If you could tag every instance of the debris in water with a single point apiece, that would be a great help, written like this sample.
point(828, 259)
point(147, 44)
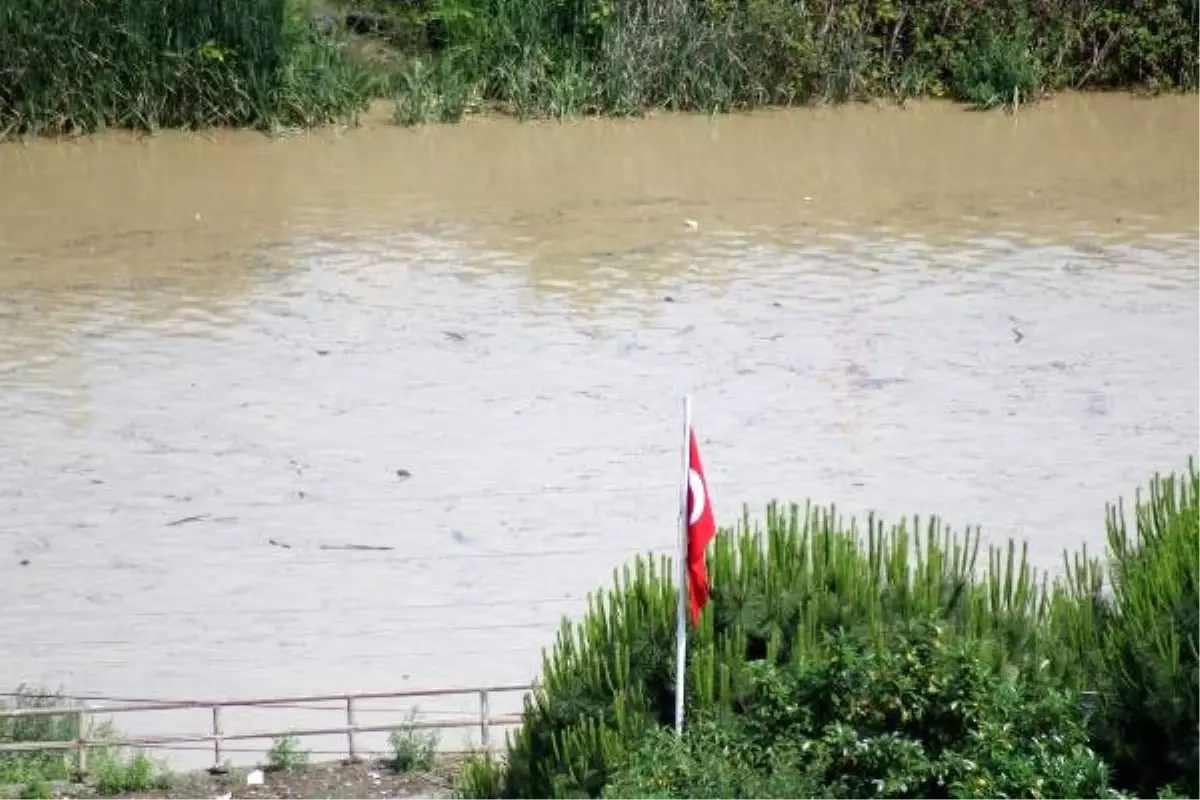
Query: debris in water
point(254, 778)
point(274, 543)
point(24, 562)
point(367, 547)
point(668, 299)
point(1017, 334)
point(403, 474)
point(185, 520)
point(454, 336)
point(322, 352)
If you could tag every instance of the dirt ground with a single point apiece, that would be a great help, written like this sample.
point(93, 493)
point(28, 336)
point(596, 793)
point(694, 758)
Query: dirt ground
point(369, 779)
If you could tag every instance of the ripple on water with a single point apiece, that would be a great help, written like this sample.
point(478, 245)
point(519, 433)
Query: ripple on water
point(182, 443)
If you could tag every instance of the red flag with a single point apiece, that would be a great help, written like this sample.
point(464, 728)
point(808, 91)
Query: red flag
point(700, 528)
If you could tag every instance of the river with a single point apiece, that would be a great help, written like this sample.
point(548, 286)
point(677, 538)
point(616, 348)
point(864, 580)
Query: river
point(222, 355)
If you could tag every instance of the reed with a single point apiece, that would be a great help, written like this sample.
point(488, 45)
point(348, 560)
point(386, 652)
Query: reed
point(558, 57)
point(68, 66)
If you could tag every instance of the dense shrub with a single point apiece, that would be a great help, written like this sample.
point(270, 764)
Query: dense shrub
point(780, 592)
point(1146, 644)
point(81, 65)
point(558, 57)
point(915, 716)
point(777, 592)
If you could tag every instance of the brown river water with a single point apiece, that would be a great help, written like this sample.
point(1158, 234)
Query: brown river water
point(213, 342)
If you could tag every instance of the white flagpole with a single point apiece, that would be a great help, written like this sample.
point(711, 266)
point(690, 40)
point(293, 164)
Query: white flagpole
point(681, 606)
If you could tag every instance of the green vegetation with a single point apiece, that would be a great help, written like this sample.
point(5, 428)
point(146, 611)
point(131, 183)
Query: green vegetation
point(68, 66)
point(554, 58)
point(802, 628)
point(413, 750)
point(112, 769)
point(285, 754)
point(914, 716)
point(115, 774)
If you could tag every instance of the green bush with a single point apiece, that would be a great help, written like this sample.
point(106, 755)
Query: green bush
point(1146, 644)
point(777, 592)
point(116, 775)
point(69, 66)
point(36, 767)
point(286, 754)
point(918, 715)
point(413, 749)
point(558, 57)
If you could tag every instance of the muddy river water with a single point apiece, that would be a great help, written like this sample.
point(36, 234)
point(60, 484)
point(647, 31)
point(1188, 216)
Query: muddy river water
point(225, 358)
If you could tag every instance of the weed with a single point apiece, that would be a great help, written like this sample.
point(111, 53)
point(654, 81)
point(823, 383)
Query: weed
point(286, 754)
point(413, 750)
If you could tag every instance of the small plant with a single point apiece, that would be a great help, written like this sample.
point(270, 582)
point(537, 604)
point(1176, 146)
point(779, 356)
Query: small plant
point(115, 775)
point(413, 750)
point(286, 754)
point(480, 777)
point(36, 789)
point(36, 767)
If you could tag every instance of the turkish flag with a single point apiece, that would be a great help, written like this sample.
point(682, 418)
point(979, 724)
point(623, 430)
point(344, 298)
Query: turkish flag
point(700, 527)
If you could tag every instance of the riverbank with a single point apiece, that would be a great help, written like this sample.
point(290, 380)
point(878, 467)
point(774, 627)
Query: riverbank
point(285, 64)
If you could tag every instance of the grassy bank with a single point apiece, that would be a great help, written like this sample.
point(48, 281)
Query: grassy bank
point(535, 58)
point(837, 661)
point(68, 66)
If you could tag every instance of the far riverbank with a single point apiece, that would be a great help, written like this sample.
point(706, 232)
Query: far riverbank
point(283, 65)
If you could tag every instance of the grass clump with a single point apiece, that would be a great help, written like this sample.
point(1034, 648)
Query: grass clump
point(70, 67)
point(286, 754)
point(112, 770)
point(412, 750)
point(116, 774)
point(37, 767)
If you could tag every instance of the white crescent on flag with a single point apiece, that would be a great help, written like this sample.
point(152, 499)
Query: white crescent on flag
point(696, 487)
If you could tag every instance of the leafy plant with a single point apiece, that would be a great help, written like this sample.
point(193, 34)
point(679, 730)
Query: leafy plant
point(114, 775)
point(917, 715)
point(36, 789)
point(413, 750)
point(286, 754)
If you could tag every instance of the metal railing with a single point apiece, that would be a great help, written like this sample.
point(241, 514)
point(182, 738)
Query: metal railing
point(83, 714)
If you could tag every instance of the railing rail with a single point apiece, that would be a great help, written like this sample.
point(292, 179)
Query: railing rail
point(83, 713)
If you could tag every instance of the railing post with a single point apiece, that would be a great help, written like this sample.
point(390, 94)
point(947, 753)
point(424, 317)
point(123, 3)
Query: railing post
point(217, 767)
point(351, 724)
point(485, 721)
point(81, 732)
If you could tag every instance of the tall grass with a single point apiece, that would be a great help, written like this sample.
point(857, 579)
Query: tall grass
point(81, 65)
point(558, 57)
